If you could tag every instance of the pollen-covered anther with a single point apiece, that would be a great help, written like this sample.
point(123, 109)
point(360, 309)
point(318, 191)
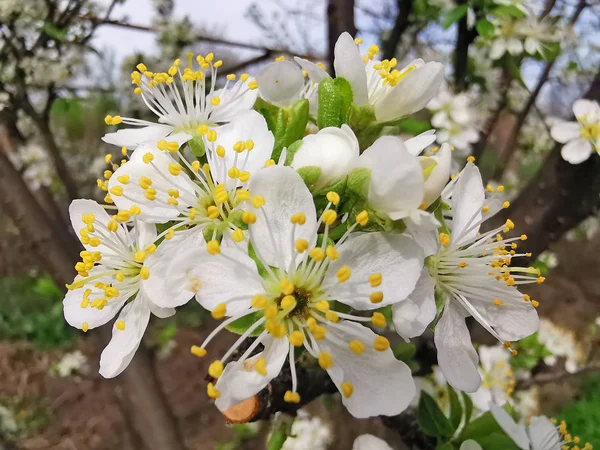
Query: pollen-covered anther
point(535, 303)
point(298, 218)
point(296, 338)
point(120, 325)
point(319, 332)
point(329, 217)
point(286, 287)
point(233, 173)
point(362, 218)
point(506, 204)
point(258, 201)
point(238, 235)
point(375, 279)
point(381, 344)
point(332, 316)
point(213, 212)
point(219, 311)
point(333, 197)
point(444, 239)
point(288, 302)
point(270, 312)
point(462, 264)
point(322, 305)
point(259, 301)
point(317, 254)
point(213, 247)
point(376, 297)
point(117, 191)
point(332, 253)
point(347, 389)
point(212, 391)
point(248, 217)
point(497, 302)
point(378, 320)
point(215, 369)
point(144, 273)
point(325, 360)
point(357, 347)
point(343, 274)
point(301, 245)
point(291, 397)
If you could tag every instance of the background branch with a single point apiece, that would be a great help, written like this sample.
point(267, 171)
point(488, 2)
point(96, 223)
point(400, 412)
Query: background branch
point(340, 18)
point(400, 25)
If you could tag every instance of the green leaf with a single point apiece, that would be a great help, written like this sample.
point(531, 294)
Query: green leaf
point(358, 182)
point(551, 51)
point(446, 446)
point(485, 28)
point(468, 404)
point(197, 147)
point(483, 426)
point(330, 104)
point(242, 324)
point(296, 123)
point(497, 441)
point(345, 90)
point(508, 11)
point(279, 133)
point(310, 175)
point(55, 32)
point(514, 67)
point(413, 126)
point(454, 15)
point(268, 111)
point(455, 408)
point(431, 419)
point(404, 351)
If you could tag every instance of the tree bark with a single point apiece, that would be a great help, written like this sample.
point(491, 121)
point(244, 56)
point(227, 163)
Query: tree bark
point(340, 18)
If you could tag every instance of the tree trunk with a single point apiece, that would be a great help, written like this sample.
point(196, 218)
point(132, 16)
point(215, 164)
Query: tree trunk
point(340, 18)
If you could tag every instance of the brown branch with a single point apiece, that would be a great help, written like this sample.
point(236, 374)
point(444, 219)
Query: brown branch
point(464, 39)
point(340, 18)
point(400, 25)
point(555, 377)
point(249, 62)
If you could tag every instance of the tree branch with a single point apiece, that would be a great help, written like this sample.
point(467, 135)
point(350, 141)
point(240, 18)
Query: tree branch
point(340, 18)
point(464, 39)
point(555, 377)
point(400, 25)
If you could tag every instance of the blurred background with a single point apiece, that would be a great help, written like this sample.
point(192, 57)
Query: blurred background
point(66, 64)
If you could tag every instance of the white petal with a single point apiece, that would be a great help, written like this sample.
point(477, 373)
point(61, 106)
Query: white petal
point(419, 143)
point(397, 258)
point(428, 241)
point(315, 73)
point(230, 277)
point(396, 183)
point(75, 315)
point(145, 234)
point(498, 49)
point(158, 288)
point(481, 398)
point(586, 108)
point(280, 83)
point(515, 431)
point(514, 46)
point(285, 194)
point(412, 93)
point(413, 315)
point(441, 120)
point(438, 178)
point(577, 151)
point(544, 435)
point(349, 64)
point(155, 211)
point(467, 200)
point(333, 150)
point(122, 347)
point(456, 356)
point(232, 103)
point(241, 381)
point(370, 442)
point(132, 137)
point(564, 132)
point(80, 207)
point(470, 444)
point(382, 384)
point(248, 125)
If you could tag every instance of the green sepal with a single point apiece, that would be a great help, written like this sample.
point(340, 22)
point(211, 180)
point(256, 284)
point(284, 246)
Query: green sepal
point(291, 151)
point(296, 121)
point(413, 126)
point(243, 323)
point(330, 104)
point(404, 351)
point(320, 196)
point(345, 90)
point(431, 418)
point(196, 145)
point(364, 124)
point(268, 111)
point(358, 182)
point(310, 175)
point(279, 133)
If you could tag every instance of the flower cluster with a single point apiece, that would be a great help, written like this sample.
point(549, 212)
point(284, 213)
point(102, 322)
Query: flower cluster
point(277, 204)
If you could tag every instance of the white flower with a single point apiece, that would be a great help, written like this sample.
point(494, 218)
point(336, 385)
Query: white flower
point(111, 280)
point(472, 274)
point(582, 138)
point(540, 433)
point(182, 109)
point(71, 363)
point(562, 343)
point(498, 378)
point(282, 83)
point(308, 432)
point(370, 442)
point(393, 93)
point(8, 422)
point(291, 298)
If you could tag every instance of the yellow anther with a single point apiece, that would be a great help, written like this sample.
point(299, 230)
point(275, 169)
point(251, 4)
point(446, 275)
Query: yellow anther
point(301, 245)
point(381, 344)
point(497, 302)
point(523, 237)
point(343, 274)
point(139, 256)
point(120, 325)
point(485, 209)
point(94, 242)
point(376, 297)
point(219, 311)
point(135, 210)
point(231, 76)
point(220, 150)
point(198, 351)
point(269, 163)
point(500, 188)
point(296, 338)
point(325, 360)
point(333, 197)
point(277, 330)
point(233, 172)
point(540, 280)
point(213, 247)
point(116, 191)
point(85, 327)
point(244, 176)
point(535, 303)
point(259, 301)
point(261, 366)
point(298, 218)
point(108, 120)
point(317, 254)
point(238, 235)
point(253, 85)
point(141, 67)
point(286, 287)
point(107, 174)
point(172, 201)
point(280, 58)
point(347, 389)
point(357, 347)
point(444, 239)
point(288, 302)
point(375, 279)
point(249, 144)
point(318, 333)
point(358, 41)
point(137, 90)
point(258, 201)
point(506, 204)
point(322, 305)
point(175, 169)
point(202, 129)
point(462, 264)
point(291, 397)
point(248, 217)
point(509, 224)
point(471, 159)
point(242, 195)
point(332, 316)
point(332, 253)
point(216, 101)
point(212, 391)
point(123, 216)
point(88, 219)
point(108, 158)
point(363, 218)
point(270, 312)
point(162, 144)
point(172, 147)
point(215, 369)
point(144, 273)
point(147, 158)
point(112, 226)
point(489, 188)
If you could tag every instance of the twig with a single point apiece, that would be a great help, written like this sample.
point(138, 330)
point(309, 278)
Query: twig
point(464, 39)
point(555, 377)
point(400, 25)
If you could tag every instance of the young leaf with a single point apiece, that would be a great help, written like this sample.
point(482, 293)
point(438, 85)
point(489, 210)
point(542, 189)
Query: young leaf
point(468, 403)
point(454, 15)
point(242, 324)
point(483, 426)
point(431, 419)
point(485, 28)
point(291, 151)
point(310, 175)
point(455, 408)
point(296, 122)
point(508, 11)
point(413, 126)
point(330, 104)
point(358, 182)
point(497, 441)
point(345, 91)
